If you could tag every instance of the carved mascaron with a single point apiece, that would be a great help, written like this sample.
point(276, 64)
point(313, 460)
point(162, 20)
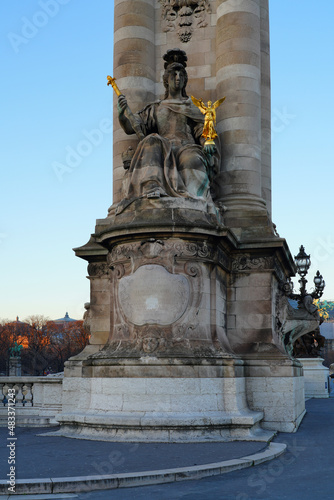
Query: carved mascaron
point(184, 16)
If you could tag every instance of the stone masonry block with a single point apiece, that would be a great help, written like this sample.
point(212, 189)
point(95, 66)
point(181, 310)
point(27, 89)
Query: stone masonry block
point(248, 6)
point(103, 402)
point(140, 402)
point(246, 307)
point(172, 386)
point(259, 293)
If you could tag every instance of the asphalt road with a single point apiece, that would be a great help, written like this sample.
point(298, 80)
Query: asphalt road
point(304, 472)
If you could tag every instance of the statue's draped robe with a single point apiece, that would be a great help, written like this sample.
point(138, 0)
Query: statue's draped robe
point(170, 159)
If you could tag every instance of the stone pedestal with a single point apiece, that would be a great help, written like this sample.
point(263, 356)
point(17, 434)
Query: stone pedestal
point(315, 378)
point(14, 366)
point(196, 348)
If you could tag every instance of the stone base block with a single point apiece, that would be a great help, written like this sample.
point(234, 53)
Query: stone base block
point(276, 388)
point(315, 378)
point(159, 409)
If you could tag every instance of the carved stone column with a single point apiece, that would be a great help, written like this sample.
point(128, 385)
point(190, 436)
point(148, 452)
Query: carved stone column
point(265, 106)
point(134, 69)
point(240, 76)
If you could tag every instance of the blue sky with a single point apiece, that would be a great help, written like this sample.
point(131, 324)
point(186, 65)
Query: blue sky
point(54, 94)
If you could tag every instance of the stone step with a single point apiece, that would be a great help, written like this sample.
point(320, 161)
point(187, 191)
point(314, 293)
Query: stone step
point(30, 421)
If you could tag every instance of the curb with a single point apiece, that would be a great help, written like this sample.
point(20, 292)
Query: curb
point(128, 480)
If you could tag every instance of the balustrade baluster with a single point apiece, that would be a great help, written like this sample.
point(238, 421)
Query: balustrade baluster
point(27, 392)
point(2, 395)
point(18, 395)
point(5, 390)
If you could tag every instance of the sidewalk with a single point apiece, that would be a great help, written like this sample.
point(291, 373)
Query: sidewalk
point(51, 464)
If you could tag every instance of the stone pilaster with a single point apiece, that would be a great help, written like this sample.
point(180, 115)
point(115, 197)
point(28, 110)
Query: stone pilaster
point(99, 310)
point(99, 303)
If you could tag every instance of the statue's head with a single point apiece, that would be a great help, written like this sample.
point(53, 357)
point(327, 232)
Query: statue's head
point(175, 61)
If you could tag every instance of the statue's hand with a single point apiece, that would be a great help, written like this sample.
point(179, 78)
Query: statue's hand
point(122, 104)
point(210, 149)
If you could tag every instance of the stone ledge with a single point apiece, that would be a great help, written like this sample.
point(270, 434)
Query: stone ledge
point(245, 418)
point(30, 379)
point(127, 480)
point(168, 427)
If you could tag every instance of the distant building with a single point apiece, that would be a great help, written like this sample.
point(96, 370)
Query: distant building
point(62, 325)
point(65, 320)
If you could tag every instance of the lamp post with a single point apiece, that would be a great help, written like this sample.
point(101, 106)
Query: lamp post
point(303, 262)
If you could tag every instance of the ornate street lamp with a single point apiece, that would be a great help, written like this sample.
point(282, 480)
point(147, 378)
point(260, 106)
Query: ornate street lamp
point(319, 283)
point(303, 262)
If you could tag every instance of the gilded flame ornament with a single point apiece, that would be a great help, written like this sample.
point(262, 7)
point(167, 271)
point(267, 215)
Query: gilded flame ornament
point(112, 82)
point(128, 112)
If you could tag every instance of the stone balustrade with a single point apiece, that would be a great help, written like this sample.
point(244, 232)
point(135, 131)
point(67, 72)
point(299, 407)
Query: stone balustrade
point(40, 393)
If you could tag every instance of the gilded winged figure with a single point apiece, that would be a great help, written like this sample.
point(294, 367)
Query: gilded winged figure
point(209, 112)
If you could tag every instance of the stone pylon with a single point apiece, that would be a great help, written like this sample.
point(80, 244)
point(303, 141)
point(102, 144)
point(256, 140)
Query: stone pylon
point(190, 326)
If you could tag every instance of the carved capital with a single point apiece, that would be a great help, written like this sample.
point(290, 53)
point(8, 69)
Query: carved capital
point(98, 269)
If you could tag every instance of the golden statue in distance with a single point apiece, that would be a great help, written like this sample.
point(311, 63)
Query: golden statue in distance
point(112, 82)
point(209, 132)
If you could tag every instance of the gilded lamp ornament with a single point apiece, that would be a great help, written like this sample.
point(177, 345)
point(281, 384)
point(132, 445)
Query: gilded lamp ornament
point(209, 112)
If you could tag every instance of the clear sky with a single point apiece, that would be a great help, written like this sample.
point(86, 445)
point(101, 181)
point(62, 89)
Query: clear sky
point(55, 57)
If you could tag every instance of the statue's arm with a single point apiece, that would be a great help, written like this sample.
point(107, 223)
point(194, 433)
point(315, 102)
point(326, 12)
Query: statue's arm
point(124, 121)
point(130, 123)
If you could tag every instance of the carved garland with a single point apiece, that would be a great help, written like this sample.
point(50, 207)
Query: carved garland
point(245, 263)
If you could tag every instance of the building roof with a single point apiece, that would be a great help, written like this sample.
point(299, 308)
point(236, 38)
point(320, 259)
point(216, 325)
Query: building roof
point(65, 319)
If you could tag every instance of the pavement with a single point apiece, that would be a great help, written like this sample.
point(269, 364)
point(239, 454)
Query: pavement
point(64, 466)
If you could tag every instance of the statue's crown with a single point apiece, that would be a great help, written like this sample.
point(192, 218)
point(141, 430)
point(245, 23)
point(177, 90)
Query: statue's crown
point(175, 56)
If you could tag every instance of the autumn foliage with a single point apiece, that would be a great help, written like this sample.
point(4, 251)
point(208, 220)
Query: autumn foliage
point(46, 344)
